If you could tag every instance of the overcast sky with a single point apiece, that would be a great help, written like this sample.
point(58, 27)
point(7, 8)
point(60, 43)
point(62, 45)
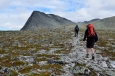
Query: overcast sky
point(14, 13)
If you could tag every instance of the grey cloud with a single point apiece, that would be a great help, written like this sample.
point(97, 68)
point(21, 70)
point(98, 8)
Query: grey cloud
point(4, 3)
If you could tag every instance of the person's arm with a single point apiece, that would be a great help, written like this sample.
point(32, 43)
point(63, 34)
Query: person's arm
point(96, 37)
point(85, 35)
point(74, 28)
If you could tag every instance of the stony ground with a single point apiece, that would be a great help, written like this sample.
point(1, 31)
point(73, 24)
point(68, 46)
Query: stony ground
point(80, 65)
point(75, 63)
point(33, 54)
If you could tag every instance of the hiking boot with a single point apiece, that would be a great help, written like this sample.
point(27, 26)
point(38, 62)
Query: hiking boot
point(93, 57)
point(87, 55)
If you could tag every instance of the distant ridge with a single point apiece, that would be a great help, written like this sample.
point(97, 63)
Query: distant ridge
point(104, 23)
point(41, 20)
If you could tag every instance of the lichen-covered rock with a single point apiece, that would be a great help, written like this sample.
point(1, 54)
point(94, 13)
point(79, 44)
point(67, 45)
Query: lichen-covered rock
point(80, 70)
point(107, 73)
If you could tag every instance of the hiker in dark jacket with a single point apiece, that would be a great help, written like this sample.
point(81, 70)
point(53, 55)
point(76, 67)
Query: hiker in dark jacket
point(90, 37)
point(76, 30)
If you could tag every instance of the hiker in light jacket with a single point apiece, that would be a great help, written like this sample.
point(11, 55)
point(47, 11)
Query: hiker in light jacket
point(76, 30)
point(90, 37)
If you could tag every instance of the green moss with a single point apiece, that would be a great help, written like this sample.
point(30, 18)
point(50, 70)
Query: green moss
point(13, 73)
point(48, 66)
point(58, 51)
point(46, 55)
point(34, 75)
point(2, 52)
point(1, 59)
point(45, 73)
point(109, 53)
point(0, 67)
point(25, 70)
point(41, 59)
point(36, 66)
point(18, 63)
point(6, 63)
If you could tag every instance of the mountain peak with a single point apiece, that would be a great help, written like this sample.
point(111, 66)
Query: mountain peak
point(41, 20)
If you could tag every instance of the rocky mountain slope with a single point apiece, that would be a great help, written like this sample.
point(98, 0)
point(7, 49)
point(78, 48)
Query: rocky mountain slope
point(41, 20)
point(100, 23)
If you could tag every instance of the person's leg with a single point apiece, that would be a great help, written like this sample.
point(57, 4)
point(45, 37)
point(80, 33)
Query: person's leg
point(75, 33)
point(87, 50)
point(92, 49)
point(87, 54)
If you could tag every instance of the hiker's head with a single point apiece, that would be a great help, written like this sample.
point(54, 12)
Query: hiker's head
point(90, 28)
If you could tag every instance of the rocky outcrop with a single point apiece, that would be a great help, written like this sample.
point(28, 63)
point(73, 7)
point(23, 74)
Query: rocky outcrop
point(41, 20)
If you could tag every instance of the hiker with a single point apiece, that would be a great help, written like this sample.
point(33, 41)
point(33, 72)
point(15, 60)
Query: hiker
point(91, 36)
point(76, 30)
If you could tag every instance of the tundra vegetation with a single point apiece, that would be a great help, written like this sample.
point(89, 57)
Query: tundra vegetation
point(30, 52)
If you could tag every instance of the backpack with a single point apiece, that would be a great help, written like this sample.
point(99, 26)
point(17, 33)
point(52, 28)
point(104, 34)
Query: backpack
point(76, 28)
